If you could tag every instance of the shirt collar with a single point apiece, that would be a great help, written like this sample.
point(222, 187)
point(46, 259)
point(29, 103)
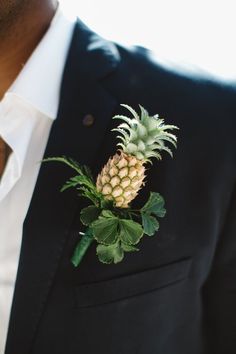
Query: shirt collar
point(36, 89)
point(40, 79)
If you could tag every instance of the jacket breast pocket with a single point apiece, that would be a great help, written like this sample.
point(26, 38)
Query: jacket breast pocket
point(128, 286)
point(135, 313)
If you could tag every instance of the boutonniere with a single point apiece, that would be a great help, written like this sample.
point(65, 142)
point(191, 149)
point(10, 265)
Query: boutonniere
point(109, 219)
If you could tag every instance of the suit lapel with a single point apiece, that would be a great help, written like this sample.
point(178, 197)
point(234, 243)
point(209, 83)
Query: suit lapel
point(51, 213)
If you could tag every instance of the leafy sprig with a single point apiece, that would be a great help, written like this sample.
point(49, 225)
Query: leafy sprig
point(83, 181)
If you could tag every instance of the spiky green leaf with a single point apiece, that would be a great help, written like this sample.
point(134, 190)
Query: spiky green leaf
point(134, 113)
point(151, 130)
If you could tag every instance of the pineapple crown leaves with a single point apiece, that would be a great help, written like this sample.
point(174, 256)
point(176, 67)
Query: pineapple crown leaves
point(144, 136)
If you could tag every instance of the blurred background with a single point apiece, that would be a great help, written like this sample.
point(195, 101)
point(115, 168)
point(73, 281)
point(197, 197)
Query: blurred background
point(186, 33)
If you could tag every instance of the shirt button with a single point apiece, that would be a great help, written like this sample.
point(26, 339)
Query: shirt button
point(88, 120)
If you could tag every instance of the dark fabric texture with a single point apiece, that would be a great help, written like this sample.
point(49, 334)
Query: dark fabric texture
point(177, 294)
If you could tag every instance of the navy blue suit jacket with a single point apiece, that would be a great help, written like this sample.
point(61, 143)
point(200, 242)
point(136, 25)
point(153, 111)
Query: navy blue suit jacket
point(177, 294)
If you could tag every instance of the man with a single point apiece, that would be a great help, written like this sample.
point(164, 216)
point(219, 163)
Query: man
point(60, 84)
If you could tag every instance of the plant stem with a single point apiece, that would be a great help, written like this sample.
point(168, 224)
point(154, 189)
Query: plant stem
point(82, 247)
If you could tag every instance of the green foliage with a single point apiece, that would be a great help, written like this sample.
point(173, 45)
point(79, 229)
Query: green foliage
point(105, 230)
point(82, 247)
point(150, 224)
point(107, 204)
point(118, 230)
point(130, 231)
point(115, 230)
point(89, 214)
point(113, 253)
point(144, 136)
point(80, 169)
point(153, 208)
point(115, 236)
point(129, 248)
point(155, 205)
point(110, 253)
point(83, 181)
point(108, 214)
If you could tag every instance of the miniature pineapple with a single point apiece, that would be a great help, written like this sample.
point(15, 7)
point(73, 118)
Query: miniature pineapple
point(142, 138)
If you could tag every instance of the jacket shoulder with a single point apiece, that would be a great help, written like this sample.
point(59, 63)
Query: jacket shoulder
point(202, 105)
point(142, 71)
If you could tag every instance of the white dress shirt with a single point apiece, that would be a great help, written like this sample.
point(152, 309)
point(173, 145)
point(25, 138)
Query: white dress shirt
point(27, 111)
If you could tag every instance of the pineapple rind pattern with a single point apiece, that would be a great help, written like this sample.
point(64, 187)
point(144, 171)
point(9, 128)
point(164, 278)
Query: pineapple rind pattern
point(121, 179)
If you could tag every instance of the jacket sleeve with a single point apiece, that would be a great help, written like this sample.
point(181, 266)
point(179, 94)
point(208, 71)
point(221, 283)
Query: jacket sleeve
point(219, 292)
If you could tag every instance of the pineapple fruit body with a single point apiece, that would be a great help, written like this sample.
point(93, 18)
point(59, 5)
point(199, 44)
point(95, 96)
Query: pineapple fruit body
point(121, 179)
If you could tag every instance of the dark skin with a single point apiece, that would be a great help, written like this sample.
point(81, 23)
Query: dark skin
point(22, 25)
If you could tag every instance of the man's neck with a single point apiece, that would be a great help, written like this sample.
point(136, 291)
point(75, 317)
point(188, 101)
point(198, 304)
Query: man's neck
point(21, 39)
